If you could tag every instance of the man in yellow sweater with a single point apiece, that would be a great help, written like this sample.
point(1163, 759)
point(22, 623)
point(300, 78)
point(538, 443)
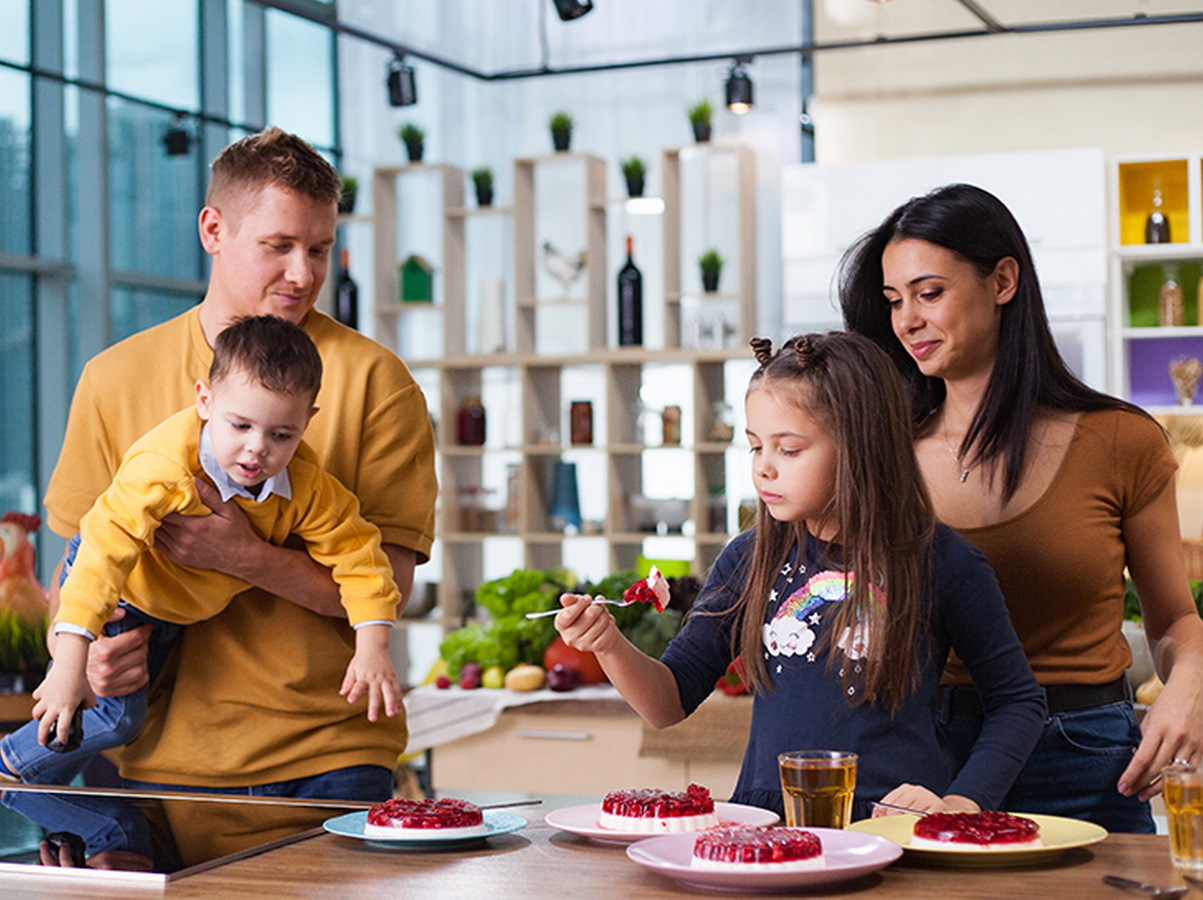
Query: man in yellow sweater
point(244, 436)
point(244, 704)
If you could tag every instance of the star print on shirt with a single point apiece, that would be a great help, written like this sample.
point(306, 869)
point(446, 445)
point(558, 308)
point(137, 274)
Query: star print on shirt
point(810, 657)
point(815, 619)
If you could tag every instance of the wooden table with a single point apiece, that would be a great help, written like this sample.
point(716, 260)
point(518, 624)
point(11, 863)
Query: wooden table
point(540, 861)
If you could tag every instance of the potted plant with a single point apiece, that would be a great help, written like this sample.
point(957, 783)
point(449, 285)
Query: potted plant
point(414, 139)
point(482, 181)
point(634, 170)
point(346, 200)
point(700, 116)
point(561, 130)
point(711, 264)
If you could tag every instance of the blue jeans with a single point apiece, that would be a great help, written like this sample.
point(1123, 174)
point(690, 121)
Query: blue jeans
point(1074, 769)
point(104, 823)
point(112, 722)
point(369, 783)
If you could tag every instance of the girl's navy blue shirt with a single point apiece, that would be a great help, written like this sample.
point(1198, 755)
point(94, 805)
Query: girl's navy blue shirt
point(808, 709)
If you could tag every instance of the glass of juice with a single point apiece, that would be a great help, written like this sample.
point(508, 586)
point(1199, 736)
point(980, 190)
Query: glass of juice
point(1184, 806)
point(817, 786)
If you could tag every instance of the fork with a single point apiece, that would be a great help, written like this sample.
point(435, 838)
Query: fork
point(1169, 893)
point(596, 601)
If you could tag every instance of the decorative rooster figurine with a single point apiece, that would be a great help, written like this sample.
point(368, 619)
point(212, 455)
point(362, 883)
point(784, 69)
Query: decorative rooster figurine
point(562, 268)
point(23, 603)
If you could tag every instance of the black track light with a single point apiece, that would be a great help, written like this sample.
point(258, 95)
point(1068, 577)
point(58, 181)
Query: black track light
point(402, 83)
point(739, 86)
point(176, 139)
point(568, 10)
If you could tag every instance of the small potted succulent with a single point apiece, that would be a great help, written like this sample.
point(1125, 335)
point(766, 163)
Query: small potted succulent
point(561, 130)
point(414, 139)
point(711, 264)
point(482, 181)
point(634, 170)
point(350, 188)
point(701, 114)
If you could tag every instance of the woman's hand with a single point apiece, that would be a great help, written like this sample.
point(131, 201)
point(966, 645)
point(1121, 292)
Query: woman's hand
point(1172, 729)
point(919, 798)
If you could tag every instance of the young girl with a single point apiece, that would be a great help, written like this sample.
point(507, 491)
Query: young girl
point(843, 601)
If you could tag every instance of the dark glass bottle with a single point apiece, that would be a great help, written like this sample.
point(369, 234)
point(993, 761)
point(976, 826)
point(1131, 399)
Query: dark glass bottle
point(346, 293)
point(630, 301)
point(1157, 226)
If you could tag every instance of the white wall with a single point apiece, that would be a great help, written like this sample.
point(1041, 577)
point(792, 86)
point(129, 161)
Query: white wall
point(1128, 90)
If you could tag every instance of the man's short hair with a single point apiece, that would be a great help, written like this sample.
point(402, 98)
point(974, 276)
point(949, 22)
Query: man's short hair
point(270, 350)
point(271, 157)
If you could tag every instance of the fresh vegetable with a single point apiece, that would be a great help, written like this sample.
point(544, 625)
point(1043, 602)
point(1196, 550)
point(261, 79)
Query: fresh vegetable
point(525, 677)
point(586, 665)
point(508, 638)
point(562, 678)
point(493, 677)
point(469, 676)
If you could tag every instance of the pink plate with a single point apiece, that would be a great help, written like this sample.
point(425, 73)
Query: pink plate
point(848, 855)
point(582, 820)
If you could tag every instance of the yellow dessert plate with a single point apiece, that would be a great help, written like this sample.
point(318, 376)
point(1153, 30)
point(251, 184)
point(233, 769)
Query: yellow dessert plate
point(1058, 834)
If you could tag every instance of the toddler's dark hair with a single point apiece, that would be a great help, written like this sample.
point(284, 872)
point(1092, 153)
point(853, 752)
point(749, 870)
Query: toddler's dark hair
point(273, 351)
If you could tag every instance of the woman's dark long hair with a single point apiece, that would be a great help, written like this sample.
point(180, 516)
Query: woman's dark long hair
point(1028, 373)
point(879, 504)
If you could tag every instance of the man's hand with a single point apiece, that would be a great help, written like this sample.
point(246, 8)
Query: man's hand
point(117, 664)
point(216, 542)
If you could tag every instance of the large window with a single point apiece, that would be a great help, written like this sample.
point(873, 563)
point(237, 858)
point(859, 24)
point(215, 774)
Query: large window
point(103, 242)
point(15, 224)
point(17, 437)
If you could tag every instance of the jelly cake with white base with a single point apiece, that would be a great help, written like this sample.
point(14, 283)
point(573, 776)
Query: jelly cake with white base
point(445, 817)
point(764, 849)
point(658, 812)
point(991, 830)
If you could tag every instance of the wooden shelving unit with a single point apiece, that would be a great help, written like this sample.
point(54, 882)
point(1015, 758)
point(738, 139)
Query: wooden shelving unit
point(527, 430)
point(1142, 347)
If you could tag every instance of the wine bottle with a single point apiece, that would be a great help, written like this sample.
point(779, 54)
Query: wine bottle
point(630, 301)
point(346, 294)
point(1157, 226)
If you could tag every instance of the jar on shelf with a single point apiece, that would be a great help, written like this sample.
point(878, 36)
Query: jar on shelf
point(670, 420)
point(1171, 305)
point(580, 422)
point(470, 424)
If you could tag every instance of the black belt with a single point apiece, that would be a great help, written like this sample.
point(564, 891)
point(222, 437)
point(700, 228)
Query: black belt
point(964, 702)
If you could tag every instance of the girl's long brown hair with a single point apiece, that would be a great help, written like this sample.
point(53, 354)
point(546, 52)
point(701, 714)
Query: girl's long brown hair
point(883, 513)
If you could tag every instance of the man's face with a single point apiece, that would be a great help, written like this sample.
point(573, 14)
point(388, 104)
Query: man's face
point(269, 258)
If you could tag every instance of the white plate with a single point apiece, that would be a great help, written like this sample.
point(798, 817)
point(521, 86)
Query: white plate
point(582, 820)
point(1057, 832)
point(352, 824)
point(848, 855)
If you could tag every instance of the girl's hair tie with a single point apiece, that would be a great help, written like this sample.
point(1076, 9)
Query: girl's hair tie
point(804, 349)
point(762, 349)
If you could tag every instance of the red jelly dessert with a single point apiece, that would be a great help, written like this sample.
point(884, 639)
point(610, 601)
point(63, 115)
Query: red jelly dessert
point(658, 811)
point(449, 816)
point(991, 830)
point(742, 847)
point(653, 590)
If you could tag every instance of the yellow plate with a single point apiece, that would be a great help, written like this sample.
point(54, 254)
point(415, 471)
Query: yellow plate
point(1058, 833)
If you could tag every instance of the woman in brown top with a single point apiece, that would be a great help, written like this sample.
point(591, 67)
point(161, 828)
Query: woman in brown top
point(1059, 485)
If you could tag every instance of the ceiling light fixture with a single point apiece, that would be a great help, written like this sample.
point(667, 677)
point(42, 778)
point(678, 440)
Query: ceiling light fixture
point(402, 83)
point(568, 10)
point(739, 86)
point(176, 139)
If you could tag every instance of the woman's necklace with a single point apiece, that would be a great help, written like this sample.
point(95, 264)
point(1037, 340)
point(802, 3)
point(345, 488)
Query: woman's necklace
point(965, 470)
